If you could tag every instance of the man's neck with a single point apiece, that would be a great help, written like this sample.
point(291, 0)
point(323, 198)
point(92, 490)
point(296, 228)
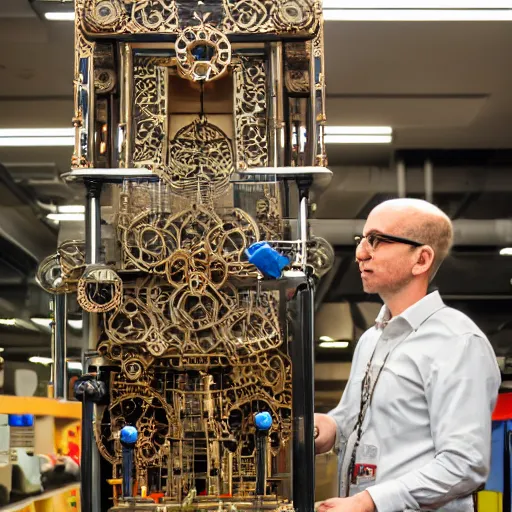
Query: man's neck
point(398, 302)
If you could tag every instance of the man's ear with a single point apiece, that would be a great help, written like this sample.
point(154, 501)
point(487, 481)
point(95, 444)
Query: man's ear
point(425, 260)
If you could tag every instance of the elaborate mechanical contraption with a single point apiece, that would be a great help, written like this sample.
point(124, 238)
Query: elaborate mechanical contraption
point(195, 121)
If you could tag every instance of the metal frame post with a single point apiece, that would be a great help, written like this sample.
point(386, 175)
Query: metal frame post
point(303, 364)
point(90, 465)
point(60, 313)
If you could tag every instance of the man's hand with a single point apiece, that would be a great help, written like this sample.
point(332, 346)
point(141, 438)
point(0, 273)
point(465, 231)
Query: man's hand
point(325, 426)
point(361, 502)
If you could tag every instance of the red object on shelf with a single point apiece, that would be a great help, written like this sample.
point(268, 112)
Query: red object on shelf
point(503, 409)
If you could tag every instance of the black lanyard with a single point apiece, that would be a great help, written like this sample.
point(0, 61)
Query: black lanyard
point(366, 400)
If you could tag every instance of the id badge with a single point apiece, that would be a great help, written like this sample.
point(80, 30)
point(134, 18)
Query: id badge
point(364, 476)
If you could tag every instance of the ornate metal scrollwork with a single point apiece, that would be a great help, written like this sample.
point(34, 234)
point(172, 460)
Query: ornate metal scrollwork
point(99, 289)
point(117, 17)
point(203, 53)
point(250, 113)
point(60, 272)
point(200, 160)
point(149, 112)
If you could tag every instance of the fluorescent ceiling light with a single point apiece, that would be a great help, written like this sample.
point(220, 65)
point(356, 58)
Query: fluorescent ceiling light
point(326, 338)
point(12, 142)
point(41, 360)
point(32, 137)
point(334, 344)
point(2, 349)
point(59, 217)
point(42, 322)
point(506, 251)
point(75, 324)
point(75, 365)
point(60, 16)
point(358, 139)
point(71, 208)
point(358, 130)
point(418, 14)
point(37, 132)
point(11, 322)
point(417, 4)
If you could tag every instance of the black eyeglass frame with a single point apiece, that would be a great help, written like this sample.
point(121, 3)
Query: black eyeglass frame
point(383, 237)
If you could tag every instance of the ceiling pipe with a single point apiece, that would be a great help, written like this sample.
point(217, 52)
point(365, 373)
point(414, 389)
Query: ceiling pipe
point(467, 232)
point(428, 170)
point(401, 179)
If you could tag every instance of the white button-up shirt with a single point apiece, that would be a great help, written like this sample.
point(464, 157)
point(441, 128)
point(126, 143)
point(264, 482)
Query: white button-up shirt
point(428, 428)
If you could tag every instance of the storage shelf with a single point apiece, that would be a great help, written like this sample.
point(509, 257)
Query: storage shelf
point(40, 406)
point(48, 501)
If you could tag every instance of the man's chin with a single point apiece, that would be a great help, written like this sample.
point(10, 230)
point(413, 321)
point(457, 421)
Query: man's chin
point(369, 289)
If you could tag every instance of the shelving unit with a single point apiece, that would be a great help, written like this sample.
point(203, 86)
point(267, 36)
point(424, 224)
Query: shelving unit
point(65, 499)
point(53, 420)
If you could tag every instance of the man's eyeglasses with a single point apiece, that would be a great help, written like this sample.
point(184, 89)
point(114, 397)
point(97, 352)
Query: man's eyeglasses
point(373, 240)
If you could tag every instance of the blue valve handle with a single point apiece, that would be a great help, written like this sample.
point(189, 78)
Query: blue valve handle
point(263, 420)
point(129, 437)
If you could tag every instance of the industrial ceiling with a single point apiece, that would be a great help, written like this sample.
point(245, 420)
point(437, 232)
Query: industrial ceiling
point(444, 87)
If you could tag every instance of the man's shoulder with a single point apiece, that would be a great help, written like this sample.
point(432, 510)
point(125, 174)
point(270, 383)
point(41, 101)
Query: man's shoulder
point(454, 323)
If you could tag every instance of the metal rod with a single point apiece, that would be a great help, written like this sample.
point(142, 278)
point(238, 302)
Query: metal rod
point(261, 463)
point(311, 126)
point(429, 181)
point(128, 101)
point(91, 98)
point(91, 486)
point(59, 362)
point(303, 402)
point(93, 222)
point(303, 228)
point(400, 175)
point(278, 103)
point(86, 461)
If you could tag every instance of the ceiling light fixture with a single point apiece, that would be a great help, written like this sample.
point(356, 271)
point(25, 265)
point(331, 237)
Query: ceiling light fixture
point(59, 217)
point(417, 4)
point(75, 365)
point(41, 360)
point(358, 135)
point(506, 251)
point(11, 322)
point(358, 130)
point(75, 324)
point(334, 344)
point(60, 16)
point(71, 208)
point(358, 139)
point(33, 137)
point(415, 14)
point(42, 322)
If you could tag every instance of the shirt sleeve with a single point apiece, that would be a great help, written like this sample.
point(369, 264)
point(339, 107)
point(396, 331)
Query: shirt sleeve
point(461, 393)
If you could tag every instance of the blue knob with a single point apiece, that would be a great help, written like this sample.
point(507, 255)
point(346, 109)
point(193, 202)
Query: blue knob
point(263, 420)
point(129, 435)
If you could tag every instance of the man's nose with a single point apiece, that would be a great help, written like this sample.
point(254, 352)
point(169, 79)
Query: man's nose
point(362, 251)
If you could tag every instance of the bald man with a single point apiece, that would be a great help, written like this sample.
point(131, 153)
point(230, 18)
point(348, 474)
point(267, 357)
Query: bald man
point(413, 427)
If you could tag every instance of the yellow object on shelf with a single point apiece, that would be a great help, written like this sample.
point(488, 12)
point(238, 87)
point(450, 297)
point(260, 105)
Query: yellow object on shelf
point(40, 406)
point(490, 501)
point(66, 499)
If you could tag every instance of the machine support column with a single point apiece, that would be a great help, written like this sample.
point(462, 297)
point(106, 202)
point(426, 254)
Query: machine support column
point(303, 371)
point(60, 303)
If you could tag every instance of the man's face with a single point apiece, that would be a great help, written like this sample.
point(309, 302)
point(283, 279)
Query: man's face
point(387, 267)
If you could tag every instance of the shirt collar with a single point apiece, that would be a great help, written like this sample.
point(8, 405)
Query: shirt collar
point(414, 315)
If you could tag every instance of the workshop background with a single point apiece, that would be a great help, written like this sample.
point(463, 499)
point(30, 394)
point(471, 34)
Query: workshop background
point(445, 90)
